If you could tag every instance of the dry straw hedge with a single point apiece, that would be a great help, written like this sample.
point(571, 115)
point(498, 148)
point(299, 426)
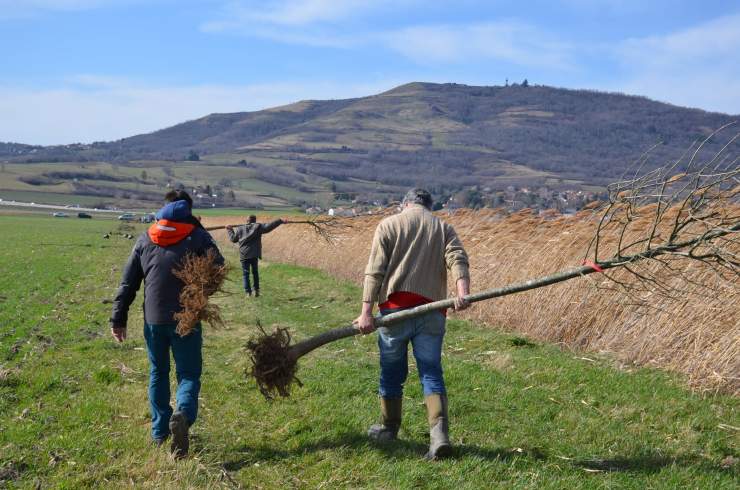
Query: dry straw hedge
point(695, 335)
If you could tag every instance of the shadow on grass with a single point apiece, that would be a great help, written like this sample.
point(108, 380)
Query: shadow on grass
point(406, 449)
point(400, 449)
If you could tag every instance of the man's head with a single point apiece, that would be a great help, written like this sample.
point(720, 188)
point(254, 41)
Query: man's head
point(418, 196)
point(179, 195)
point(252, 219)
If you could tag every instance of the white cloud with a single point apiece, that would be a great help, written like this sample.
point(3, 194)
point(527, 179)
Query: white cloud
point(510, 41)
point(696, 67)
point(716, 39)
point(91, 108)
point(259, 17)
point(324, 23)
point(303, 12)
point(716, 91)
point(317, 37)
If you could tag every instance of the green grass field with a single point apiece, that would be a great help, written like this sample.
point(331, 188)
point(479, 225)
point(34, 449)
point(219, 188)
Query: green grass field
point(247, 188)
point(74, 413)
point(49, 198)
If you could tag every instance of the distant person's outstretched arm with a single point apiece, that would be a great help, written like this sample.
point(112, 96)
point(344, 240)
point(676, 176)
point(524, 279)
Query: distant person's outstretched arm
point(272, 225)
point(233, 236)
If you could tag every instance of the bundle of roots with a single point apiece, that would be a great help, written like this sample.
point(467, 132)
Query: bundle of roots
point(275, 360)
point(273, 364)
point(202, 277)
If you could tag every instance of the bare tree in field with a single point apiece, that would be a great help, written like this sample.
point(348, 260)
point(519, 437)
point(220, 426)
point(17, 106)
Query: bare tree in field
point(657, 225)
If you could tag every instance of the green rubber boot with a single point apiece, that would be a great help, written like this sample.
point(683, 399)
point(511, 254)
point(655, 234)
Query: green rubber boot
point(439, 439)
point(390, 412)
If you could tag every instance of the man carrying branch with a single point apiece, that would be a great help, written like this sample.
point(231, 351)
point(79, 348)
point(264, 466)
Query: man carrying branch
point(157, 253)
point(249, 238)
point(409, 259)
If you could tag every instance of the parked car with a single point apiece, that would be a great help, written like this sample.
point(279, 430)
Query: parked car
point(84, 215)
point(59, 215)
point(127, 217)
point(147, 218)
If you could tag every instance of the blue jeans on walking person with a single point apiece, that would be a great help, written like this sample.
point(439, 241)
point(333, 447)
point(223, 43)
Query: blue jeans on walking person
point(188, 367)
point(246, 265)
point(426, 334)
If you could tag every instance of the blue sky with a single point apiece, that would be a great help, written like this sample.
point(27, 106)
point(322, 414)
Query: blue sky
point(87, 70)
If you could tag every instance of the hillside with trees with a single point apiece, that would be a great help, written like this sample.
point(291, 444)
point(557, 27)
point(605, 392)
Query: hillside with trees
point(452, 138)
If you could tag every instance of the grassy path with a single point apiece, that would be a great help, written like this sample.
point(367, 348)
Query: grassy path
point(73, 408)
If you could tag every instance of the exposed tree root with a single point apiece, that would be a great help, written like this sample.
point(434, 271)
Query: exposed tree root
point(202, 278)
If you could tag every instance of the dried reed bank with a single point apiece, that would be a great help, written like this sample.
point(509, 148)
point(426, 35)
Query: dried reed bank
point(695, 334)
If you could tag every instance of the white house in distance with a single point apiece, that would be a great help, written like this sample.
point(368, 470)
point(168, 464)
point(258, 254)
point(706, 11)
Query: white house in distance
point(342, 212)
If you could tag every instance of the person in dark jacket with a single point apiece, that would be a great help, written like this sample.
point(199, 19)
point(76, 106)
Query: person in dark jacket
point(156, 253)
point(249, 238)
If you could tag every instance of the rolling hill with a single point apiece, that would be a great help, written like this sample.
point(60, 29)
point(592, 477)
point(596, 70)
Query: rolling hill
point(444, 136)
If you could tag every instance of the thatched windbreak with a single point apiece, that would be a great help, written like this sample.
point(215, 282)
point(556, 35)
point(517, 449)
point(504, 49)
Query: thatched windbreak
point(695, 334)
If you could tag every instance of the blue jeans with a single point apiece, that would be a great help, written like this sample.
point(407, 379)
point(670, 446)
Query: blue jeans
point(426, 334)
point(188, 367)
point(246, 265)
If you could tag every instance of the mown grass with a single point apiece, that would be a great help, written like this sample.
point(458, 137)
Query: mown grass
point(73, 409)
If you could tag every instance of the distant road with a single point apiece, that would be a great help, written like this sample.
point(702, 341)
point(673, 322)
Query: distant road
point(70, 209)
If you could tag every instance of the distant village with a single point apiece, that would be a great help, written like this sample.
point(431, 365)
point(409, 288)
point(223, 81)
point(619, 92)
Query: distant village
point(513, 199)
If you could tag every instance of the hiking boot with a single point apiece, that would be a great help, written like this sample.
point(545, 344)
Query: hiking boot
point(439, 439)
point(248, 293)
point(390, 418)
point(179, 427)
point(159, 442)
point(256, 293)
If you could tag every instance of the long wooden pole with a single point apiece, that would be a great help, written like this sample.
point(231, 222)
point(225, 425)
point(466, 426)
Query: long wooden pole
point(289, 222)
point(306, 346)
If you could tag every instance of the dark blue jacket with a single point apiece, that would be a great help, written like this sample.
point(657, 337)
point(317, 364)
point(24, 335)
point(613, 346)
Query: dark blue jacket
point(156, 253)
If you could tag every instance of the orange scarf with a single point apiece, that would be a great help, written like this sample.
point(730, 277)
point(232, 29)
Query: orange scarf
point(165, 232)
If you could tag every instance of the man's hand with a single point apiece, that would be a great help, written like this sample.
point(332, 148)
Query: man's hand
point(460, 303)
point(284, 220)
point(463, 289)
point(229, 227)
point(118, 332)
point(365, 322)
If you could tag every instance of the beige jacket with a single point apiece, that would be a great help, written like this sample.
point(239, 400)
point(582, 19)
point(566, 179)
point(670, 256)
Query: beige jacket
point(412, 251)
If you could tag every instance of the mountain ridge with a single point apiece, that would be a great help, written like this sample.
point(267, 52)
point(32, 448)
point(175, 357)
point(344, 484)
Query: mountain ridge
point(421, 133)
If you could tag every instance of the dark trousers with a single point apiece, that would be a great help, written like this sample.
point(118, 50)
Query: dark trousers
point(160, 339)
point(246, 265)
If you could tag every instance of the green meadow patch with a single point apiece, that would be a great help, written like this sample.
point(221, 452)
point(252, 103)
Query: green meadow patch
point(74, 412)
